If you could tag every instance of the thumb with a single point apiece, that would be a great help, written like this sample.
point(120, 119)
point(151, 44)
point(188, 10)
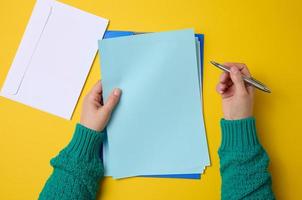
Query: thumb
point(237, 79)
point(112, 101)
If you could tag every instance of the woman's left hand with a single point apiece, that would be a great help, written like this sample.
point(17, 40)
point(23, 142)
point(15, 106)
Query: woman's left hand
point(95, 115)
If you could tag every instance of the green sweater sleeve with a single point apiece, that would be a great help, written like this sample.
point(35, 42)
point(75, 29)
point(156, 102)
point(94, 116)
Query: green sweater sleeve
point(243, 162)
point(77, 168)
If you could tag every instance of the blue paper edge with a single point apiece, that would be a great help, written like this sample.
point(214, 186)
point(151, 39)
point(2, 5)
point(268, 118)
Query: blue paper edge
point(113, 34)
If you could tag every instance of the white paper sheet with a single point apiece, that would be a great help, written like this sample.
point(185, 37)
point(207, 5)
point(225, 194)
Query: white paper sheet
point(54, 57)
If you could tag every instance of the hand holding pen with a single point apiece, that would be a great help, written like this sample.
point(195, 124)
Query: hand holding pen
point(237, 97)
point(250, 80)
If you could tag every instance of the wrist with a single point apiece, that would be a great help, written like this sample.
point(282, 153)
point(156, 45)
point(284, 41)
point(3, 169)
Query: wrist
point(91, 124)
point(237, 113)
point(237, 117)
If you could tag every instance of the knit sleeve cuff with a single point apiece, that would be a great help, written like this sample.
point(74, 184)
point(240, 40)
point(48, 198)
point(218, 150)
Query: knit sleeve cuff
point(238, 134)
point(85, 142)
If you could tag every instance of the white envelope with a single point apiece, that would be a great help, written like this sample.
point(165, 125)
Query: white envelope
point(54, 58)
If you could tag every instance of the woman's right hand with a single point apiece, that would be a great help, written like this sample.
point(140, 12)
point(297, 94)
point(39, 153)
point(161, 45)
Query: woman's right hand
point(237, 96)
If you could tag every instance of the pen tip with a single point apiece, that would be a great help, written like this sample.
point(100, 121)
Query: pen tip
point(266, 89)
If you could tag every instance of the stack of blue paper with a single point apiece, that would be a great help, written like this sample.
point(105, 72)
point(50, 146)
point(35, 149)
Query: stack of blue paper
point(157, 129)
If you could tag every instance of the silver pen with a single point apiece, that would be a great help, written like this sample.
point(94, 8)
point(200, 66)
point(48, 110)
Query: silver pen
point(249, 80)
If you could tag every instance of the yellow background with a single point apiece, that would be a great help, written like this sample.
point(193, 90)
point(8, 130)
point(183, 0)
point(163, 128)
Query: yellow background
point(264, 34)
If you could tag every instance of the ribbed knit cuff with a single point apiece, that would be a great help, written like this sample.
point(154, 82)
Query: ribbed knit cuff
point(238, 134)
point(85, 142)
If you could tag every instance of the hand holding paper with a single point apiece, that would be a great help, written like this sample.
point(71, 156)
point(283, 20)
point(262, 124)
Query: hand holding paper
point(95, 113)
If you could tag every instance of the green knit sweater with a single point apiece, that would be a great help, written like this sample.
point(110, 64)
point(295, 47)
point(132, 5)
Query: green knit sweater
point(78, 169)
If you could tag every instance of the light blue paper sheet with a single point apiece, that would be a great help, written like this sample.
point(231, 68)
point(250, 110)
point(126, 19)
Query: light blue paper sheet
point(161, 102)
point(199, 46)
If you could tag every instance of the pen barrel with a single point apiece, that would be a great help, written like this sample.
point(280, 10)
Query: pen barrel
point(256, 84)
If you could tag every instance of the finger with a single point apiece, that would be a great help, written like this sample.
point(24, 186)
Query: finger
point(97, 88)
point(221, 88)
point(245, 71)
point(250, 88)
point(226, 94)
point(224, 77)
point(236, 77)
point(241, 66)
point(229, 83)
point(95, 93)
point(112, 101)
point(230, 64)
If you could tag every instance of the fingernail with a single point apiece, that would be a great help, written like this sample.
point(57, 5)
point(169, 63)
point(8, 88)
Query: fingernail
point(117, 92)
